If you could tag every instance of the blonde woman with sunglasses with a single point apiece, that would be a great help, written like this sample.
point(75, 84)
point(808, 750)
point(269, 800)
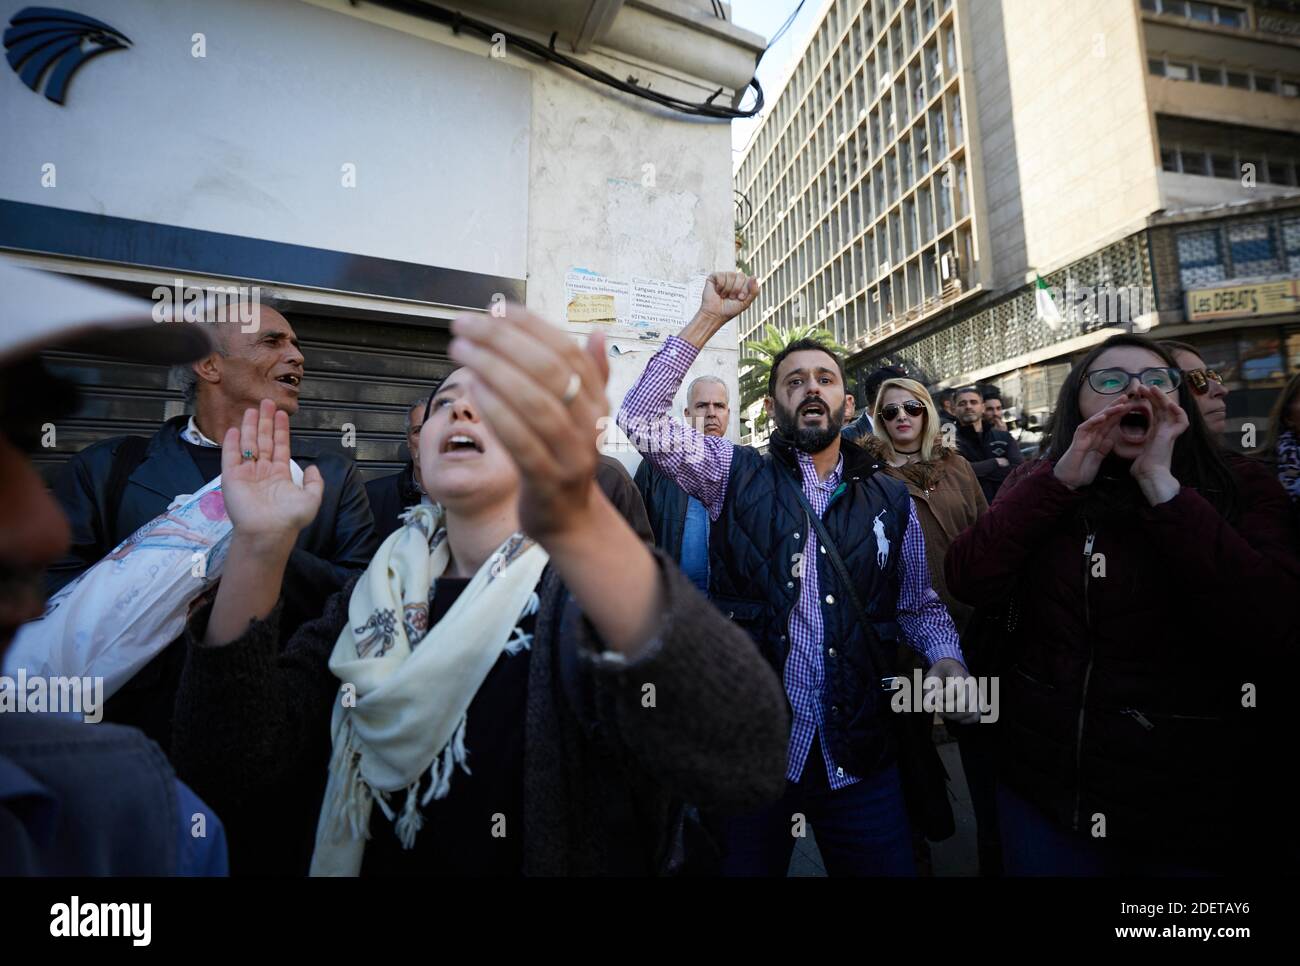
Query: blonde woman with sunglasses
point(906, 438)
point(1207, 385)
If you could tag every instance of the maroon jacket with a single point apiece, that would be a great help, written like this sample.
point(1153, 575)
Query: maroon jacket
point(1121, 694)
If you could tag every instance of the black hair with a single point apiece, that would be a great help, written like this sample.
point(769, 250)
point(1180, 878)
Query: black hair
point(990, 392)
point(428, 400)
point(800, 345)
point(1197, 461)
point(962, 390)
point(871, 385)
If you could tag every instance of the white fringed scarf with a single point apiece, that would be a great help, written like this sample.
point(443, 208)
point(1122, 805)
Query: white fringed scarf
point(401, 711)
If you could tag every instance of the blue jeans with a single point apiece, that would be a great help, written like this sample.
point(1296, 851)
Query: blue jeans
point(1034, 844)
point(861, 830)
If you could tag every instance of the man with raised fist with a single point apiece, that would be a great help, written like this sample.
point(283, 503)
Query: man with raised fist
point(827, 615)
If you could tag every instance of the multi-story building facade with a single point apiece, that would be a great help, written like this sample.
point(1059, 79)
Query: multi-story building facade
point(928, 160)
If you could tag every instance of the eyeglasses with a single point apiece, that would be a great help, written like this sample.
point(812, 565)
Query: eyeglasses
point(1109, 382)
point(911, 407)
point(1200, 379)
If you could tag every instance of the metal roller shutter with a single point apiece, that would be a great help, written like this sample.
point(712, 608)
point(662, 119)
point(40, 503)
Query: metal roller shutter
point(363, 373)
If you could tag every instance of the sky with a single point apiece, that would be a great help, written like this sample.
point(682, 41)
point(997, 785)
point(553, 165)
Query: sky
point(765, 17)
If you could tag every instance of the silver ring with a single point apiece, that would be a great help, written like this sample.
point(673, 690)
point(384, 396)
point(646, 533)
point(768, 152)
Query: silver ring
point(249, 454)
point(571, 390)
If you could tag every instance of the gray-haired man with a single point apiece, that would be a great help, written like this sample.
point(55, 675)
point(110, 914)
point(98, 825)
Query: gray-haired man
point(116, 485)
point(680, 522)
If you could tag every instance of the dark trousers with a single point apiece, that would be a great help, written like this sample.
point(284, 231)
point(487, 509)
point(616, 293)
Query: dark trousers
point(975, 744)
point(861, 830)
point(1034, 844)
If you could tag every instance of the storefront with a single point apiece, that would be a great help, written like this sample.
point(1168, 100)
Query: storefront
point(1232, 282)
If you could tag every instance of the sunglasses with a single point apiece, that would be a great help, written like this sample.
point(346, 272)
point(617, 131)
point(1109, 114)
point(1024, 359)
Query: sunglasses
point(1200, 379)
point(911, 407)
point(1109, 382)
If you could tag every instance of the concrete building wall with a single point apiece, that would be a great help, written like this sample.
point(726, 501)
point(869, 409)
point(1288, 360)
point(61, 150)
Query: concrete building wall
point(1181, 191)
point(1066, 137)
point(616, 186)
point(1226, 105)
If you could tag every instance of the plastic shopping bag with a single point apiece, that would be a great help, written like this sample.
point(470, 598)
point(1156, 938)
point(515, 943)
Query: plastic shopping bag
point(118, 615)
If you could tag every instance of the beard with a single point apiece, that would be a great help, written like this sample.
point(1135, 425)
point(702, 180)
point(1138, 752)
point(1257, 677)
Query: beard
point(805, 439)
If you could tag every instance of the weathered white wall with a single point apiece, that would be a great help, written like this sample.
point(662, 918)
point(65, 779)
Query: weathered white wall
point(615, 185)
point(464, 160)
point(252, 138)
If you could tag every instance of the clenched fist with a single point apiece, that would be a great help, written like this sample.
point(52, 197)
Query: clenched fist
point(726, 295)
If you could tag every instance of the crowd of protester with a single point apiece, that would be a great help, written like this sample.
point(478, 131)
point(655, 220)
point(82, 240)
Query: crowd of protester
point(513, 658)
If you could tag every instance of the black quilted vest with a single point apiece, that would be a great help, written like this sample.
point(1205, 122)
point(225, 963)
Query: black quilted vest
point(755, 552)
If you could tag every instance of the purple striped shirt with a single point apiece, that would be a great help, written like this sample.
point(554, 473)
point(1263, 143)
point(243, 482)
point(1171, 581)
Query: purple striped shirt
point(701, 465)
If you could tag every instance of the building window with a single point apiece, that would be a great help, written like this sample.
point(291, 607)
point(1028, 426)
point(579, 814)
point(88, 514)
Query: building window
point(938, 135)
point(1291, 243)
point(1221, 166)
point(1230, 16)
point(1253, 250)
point(1169, 159)
point(1194, 162)
point(1178, 71)
point(1216, 13)
point(1239, 78)
point(1209, 75)
point(1200, 259)
point(1156, 66)
point(1265, 83)
point(1281, 172)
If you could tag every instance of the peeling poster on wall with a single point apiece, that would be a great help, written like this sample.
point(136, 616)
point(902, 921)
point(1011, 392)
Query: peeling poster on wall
point(645, 308)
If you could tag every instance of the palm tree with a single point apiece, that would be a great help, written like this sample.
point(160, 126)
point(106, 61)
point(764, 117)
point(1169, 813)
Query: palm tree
point(761, 352)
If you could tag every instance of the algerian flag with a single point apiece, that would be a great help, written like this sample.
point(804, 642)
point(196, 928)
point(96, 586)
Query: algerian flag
point(1047, 310)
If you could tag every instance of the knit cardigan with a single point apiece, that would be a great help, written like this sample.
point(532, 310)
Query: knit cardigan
point(607, 760)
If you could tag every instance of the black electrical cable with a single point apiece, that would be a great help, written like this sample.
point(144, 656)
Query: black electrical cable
point(460, 22)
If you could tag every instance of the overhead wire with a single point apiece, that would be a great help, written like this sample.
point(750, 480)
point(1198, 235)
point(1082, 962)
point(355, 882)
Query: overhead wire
point(547, 52)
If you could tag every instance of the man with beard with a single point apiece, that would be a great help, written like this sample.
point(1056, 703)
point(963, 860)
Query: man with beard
point(772, 574)
point(992, 452)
